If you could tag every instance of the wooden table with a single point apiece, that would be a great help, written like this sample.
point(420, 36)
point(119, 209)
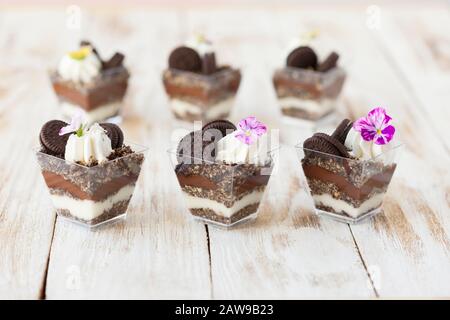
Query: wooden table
point(160, 252)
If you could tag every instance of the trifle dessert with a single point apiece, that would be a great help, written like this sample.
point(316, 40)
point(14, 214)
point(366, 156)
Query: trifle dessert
point(223, 170)
point(90, 173)
point(307, 86)
point(349, 171)
point(198, 88)
point(84, 82)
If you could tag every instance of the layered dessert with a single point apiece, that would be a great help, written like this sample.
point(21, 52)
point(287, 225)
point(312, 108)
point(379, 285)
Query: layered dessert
point(198, 88)
point(348, 172)
point(223, 170)
point(84, 82)
point(89, 171)
point(307, 87)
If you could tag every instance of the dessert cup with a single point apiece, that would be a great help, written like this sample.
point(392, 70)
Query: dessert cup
point(201, 97)
point(221, 194)
point(92, 196)
point(307, 95)
point(99, 100)
point(345, 189)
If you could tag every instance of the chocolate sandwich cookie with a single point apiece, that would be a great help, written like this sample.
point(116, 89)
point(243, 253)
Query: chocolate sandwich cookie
point(329, 63)
point(114, 133)
point(190, 146)
point(115, 61)
point(51, 142)
point(322, 142)
point(342, 130)
point(185, 58)
point(209, 63)
point(224, 126)
point(84, 43)
point(302, 57)
point(212, 133)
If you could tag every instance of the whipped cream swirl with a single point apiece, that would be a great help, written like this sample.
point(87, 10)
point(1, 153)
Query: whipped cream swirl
point(200, 44)
point(93, 145)
point(233, 151)
point(80, 66)
point(362, 149)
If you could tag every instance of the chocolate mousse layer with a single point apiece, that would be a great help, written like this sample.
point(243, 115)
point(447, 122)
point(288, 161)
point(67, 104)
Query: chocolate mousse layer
point(224, 184)
point(303, 114)
point(99, 183)
point(348, 180)
point(308, 84)
point(202, 90)
point(110, 86)
point(90, 180)
point(58, 184)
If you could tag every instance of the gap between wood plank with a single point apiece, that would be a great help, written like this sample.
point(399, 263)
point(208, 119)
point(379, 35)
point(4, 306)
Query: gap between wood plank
point(210, 264)
point(363, 263)
point(42, 294)
point(403, 79)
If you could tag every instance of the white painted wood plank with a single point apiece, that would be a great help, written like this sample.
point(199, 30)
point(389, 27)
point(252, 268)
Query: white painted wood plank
point(406, 248)
point(422, 59)
point(287, 252)
point(26, 218)
point(159, 252)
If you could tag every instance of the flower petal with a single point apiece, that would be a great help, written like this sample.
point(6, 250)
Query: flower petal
point(387, 134)
point(65, 130)
point(380, 139)
point(368, 134)
point(362, 124)
point(240, 135)
point(250, 129)
point(377, 117)
point(260, 129)
point(246, 123)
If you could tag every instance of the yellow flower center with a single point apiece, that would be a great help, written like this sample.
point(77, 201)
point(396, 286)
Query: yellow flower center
point(200, 38)
point(378, 131)
point(310, 35)
point(81, 53)
point(248, 133)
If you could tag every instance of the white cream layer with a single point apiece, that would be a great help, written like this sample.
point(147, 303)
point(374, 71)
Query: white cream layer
point(312, 106)
point(98, 114)
point(182, 108)
point(219, 208)
point(88, 209)
point(340, 205)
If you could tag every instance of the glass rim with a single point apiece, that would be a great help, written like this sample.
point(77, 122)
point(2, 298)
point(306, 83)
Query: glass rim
point(112, 72)
point(173, 151)
point(396, 147)
point(309, 71)
point(204, 76)
point(137, 148)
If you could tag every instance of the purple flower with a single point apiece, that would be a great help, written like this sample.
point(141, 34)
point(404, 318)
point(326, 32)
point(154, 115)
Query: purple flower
point(76, 125)
point(375, 127)
point(249, 130)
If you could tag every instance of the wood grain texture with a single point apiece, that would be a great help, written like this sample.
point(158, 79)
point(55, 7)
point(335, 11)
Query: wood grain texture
point(288, 252)
point(159, 252)
point(398, 248)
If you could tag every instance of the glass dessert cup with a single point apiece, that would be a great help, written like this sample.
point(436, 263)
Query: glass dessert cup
point(344, 189)
point(92, 196)
point(308, 96)
point(200, 97)
point(100, 100)
point(221, 194)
